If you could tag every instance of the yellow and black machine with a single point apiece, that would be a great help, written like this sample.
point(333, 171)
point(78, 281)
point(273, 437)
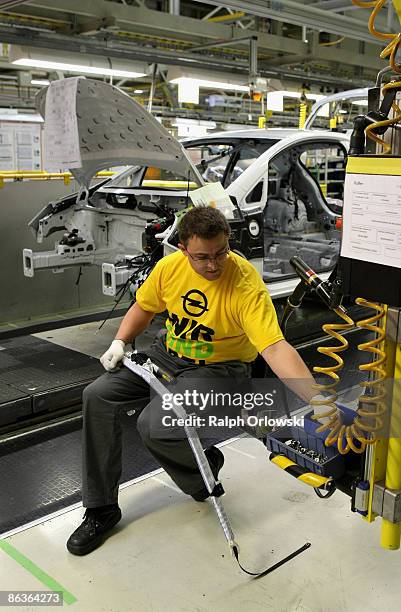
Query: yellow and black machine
point(366, 441)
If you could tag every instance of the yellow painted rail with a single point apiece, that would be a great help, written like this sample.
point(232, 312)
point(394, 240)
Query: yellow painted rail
point(38, 175)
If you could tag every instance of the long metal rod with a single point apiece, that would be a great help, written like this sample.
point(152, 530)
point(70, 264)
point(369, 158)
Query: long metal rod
point(193, 438)
point(212, 12)
point(152, 87)
point(253, 58)
point(223, 43)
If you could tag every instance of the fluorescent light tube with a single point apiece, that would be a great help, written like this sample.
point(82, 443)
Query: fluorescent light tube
point(49, 65)
point(42, 82)
point(211, 84)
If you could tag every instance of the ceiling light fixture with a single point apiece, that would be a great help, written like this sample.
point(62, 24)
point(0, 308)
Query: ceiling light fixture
point(78, 68)
point(189, 82)
point(210, 84)
point(74, 62)
point(41, 82)
point(275, 98)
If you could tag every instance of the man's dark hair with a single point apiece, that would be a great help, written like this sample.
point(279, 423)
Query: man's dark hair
point(203, 221)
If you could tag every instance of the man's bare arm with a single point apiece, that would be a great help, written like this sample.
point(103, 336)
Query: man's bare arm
point(289, 366)
point(134, 323)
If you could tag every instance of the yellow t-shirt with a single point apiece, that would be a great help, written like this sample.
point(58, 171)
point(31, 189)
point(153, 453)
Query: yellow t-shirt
point(231, 318)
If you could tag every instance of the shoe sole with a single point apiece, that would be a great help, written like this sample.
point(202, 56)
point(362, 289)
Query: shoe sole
point(84, 550)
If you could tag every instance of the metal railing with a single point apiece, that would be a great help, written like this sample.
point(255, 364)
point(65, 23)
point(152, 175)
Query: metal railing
point(40, 175)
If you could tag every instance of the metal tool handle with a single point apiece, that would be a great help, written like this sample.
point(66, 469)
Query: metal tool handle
point(148, 371)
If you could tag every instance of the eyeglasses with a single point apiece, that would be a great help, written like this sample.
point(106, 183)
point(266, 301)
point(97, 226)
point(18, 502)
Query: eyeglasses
point(220, 257)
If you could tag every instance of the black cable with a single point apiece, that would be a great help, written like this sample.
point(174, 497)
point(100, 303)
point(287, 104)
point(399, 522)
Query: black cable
point(273, 567)
point(328, 494)
point(114, 306)
point(79, 276)
point(146, 267)
point(121, 291)
point(293, 301)
point(187, 194)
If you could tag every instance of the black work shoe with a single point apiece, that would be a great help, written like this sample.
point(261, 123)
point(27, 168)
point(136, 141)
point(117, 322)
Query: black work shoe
point(216, 462)
point(91, 533)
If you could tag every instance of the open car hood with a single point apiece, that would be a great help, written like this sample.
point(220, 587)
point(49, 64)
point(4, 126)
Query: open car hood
point(114, 130)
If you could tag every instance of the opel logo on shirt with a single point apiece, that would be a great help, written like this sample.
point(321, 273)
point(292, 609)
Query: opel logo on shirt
point(194, 303)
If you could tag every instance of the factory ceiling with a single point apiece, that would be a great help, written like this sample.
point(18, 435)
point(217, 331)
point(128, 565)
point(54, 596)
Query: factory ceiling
point(323, 44)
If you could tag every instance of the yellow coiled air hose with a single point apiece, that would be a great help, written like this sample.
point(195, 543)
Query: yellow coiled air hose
point(361, 426)
point(390, 51)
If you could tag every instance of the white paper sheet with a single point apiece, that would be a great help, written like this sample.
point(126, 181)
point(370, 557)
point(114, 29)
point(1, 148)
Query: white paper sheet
point(61, 138)
point(7, 153)
point(213, 195)
point(372, 219)
point(20, 146)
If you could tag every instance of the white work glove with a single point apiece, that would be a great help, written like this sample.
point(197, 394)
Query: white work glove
point(113, 355)
point(321, 409)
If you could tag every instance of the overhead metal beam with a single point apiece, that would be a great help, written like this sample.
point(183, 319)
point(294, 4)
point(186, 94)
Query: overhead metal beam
point(353, 7)
point(304, 14)
point(212, 12)
point(91, 27)
point(287, 60)
point(155, 23)
point(114, 48)
point(143, 20)
point(142, 53)
point(7, 4)
point(328, 5)
point(222, 43)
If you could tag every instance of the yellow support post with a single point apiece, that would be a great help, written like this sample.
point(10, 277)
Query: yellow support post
point(380, 448)
point(391, 532)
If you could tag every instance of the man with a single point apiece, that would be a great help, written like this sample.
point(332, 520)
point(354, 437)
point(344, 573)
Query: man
point(220, 317)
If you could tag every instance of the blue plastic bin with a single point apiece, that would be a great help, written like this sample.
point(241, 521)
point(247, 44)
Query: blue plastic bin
point(335, 464)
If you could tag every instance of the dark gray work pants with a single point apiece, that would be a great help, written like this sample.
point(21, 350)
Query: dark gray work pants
point(114, 393)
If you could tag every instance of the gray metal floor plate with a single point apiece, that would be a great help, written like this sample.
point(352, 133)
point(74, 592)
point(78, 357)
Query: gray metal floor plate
point(38, 376)
point(49, 474)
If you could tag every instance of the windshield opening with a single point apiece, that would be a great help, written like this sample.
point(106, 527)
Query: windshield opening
point(224, 162)
point(339, 114)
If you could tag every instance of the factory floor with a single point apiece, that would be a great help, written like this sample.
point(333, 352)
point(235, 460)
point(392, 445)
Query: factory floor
point(169, 553)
